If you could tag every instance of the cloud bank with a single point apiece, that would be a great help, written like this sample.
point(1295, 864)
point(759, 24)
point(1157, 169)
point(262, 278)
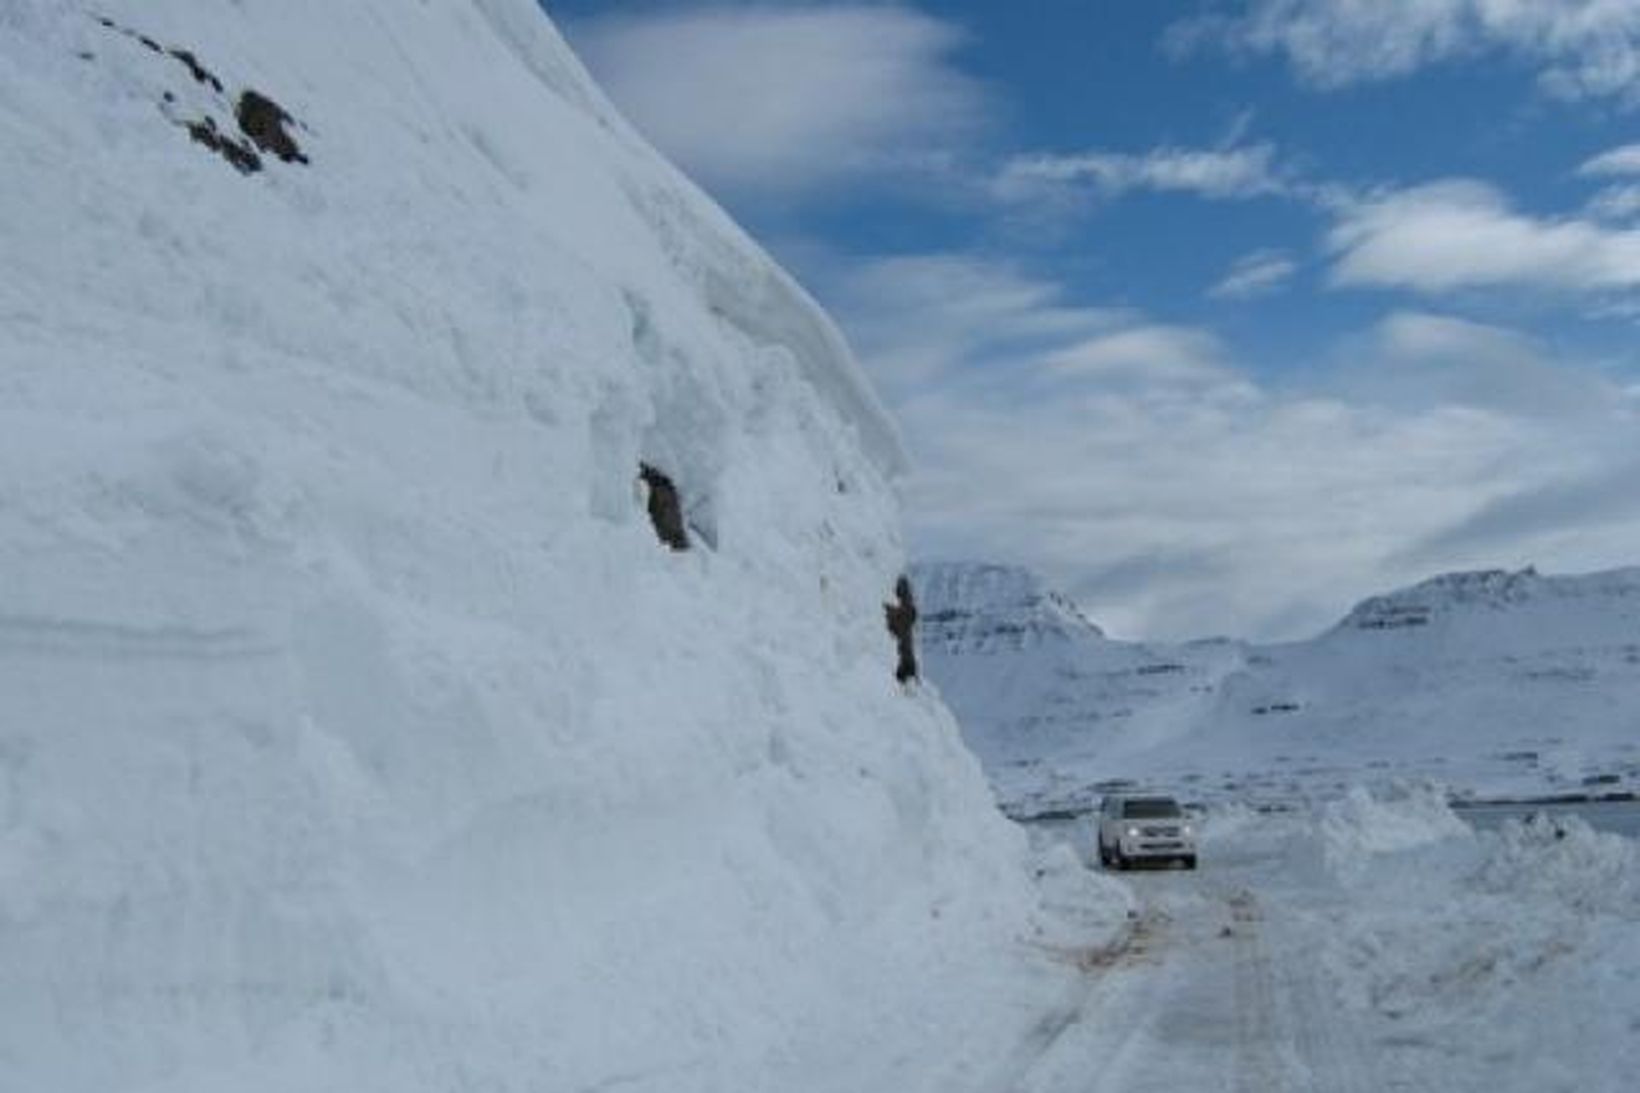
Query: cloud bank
point(1176, 494)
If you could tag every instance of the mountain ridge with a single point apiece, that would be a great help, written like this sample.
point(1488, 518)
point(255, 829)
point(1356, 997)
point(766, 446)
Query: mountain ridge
point(1447, 679)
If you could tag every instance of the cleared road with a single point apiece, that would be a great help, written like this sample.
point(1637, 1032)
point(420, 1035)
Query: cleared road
point(1217, 988)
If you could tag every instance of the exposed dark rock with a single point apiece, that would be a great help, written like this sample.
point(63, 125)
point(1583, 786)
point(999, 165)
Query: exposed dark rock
point(263, 121)
point(902, 623)
point(665, 509)
point(241, 155)
point(199, 72)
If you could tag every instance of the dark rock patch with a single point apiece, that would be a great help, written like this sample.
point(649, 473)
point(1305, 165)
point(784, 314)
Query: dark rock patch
point(902, 623)
point(263, 121)
point(199, 72)
point(665, 508)
point(239, 154)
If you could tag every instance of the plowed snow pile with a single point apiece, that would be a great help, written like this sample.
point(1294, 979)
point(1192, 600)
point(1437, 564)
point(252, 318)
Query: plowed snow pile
point(1483, 961)
point(357, 733)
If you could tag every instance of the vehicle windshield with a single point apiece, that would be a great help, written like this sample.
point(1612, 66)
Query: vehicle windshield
point(1150, 808)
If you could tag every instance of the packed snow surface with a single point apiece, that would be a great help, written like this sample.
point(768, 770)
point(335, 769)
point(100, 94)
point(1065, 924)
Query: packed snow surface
point(1495, 683)
point(356, 732)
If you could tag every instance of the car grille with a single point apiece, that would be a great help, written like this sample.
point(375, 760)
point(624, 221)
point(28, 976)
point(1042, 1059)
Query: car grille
point(1159, 832)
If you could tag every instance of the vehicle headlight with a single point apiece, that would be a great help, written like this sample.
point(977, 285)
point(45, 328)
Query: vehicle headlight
point(1133, 832)
point(1188, 829)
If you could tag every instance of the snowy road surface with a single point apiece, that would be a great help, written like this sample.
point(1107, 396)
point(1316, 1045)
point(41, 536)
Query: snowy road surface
point(1305, 956)
point(1215, 990)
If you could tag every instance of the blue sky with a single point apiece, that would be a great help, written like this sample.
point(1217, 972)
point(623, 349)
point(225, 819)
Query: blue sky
point(1221, 315)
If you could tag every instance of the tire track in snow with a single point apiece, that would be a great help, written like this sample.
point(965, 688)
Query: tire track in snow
point(1080, 999)
point(1258, 1068)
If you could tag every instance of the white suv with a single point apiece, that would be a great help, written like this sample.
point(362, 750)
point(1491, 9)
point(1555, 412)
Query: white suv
point(1143, 829)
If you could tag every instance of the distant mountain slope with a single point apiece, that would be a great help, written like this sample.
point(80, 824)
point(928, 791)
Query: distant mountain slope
point(1494, 681)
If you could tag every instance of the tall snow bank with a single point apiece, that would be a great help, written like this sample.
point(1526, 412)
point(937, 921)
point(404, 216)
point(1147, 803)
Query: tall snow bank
point(356, 733)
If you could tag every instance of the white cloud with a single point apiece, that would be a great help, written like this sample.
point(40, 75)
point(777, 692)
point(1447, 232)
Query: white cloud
point(1414, 358)
point(924, 318)
point(1579, 48)
point(1615, 203)
point(1417, 335)
point(1258, 273)
point(1619, 161)
point(1460, 234)
point(1217, 173)
point(789, 99)
point(1136, 463)
point(1152, 356)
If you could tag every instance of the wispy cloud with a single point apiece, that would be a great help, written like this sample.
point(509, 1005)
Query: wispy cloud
point(1416, 358)
point(1229, 173)
point(788, 100)
point(1459, 234)
point(1258, 273)
point(1552, 517)
point(1618, 161)
point(1147, 354)
point(1615, 203)
point(1578, 48)
point(929, 318)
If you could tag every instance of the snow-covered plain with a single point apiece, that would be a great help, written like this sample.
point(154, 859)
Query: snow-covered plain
point(356, 732)
point(1493, 683)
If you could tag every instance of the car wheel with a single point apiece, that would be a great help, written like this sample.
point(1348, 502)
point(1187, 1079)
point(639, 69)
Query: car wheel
point(1190, 861)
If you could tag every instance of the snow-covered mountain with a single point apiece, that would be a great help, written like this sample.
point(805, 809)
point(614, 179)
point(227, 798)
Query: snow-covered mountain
point(357, 729)
point(1494, 682)
point(992, 608)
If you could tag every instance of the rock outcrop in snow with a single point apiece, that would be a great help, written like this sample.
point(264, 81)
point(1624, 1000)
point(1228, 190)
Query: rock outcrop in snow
point(356, 733)
point(1495, 682)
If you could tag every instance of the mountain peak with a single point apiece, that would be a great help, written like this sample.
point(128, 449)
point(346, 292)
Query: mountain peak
point(984, 607)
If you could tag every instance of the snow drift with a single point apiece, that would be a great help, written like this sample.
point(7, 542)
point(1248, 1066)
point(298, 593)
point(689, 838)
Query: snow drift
point(1482, 961)
point(356, 732)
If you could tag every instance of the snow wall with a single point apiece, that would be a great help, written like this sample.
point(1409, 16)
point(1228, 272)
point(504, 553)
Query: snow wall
point(356, 732)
